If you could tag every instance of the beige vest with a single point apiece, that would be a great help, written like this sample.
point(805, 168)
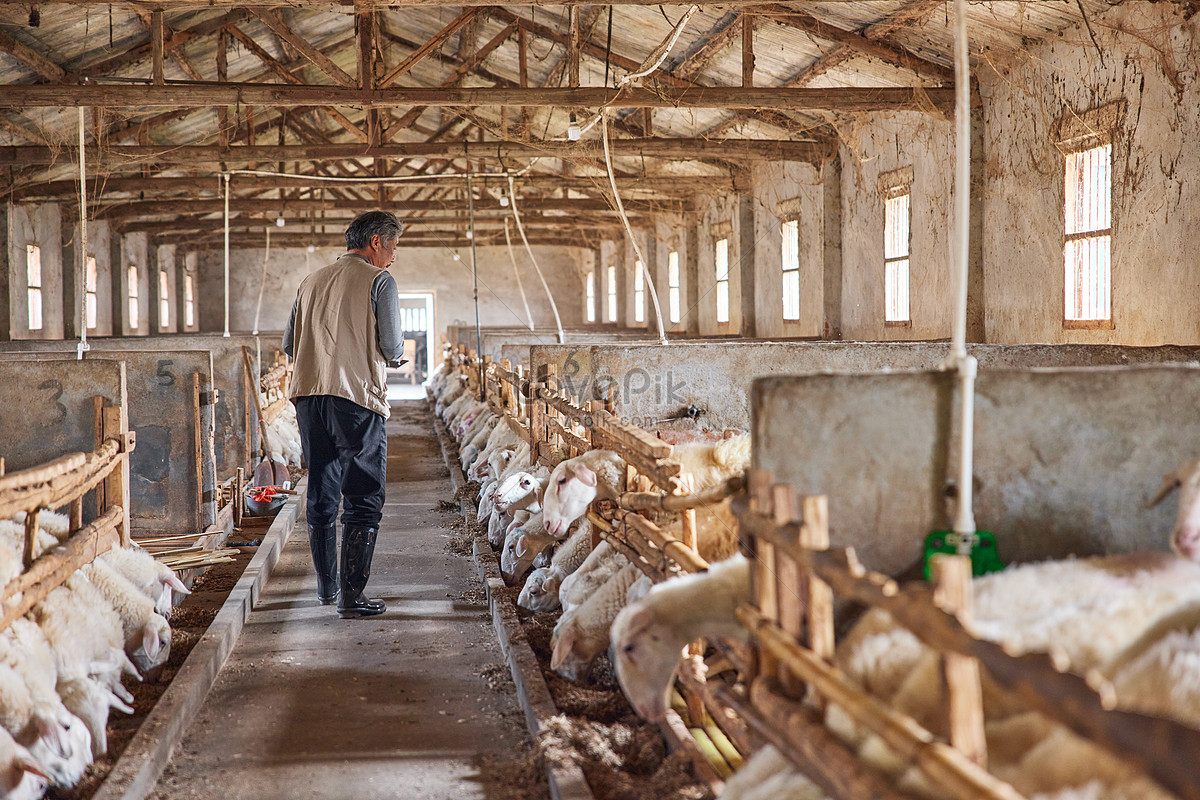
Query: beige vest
point(336, 346)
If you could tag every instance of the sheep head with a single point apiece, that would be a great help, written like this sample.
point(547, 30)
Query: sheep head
point(155, 646)
point(517, 490)
point(63, 746)
point(1185, 538)
point(645, 656)
point(571, 488)
point(21, 774)
point(540, 592)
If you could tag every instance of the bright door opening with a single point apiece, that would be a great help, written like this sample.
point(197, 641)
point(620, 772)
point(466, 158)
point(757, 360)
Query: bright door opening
point(416, 319)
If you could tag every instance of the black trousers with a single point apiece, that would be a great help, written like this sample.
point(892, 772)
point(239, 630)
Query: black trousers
point(345, 446)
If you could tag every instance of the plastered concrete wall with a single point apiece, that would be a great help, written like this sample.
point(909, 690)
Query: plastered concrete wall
point(1149, 57)
point(132, 249)
point(671, 236)
point(784, 192)
point(1065, 460)
point(39, 225)
point(415, 270)
point(880, 144)
point(165, 319)
point(719, 220)
point(100, 248)
point(654, 382)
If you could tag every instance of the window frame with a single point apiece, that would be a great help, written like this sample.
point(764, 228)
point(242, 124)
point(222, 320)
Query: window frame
point(899, 186)
point(189, 300)
point(91, 296)
point(674, 298)
point(164, 300)
point(612, 293)
point(721, 287)
point(589, 294)
point(1071, 149)
point(785, 270)
point(639, 292)
point(132, 296)
point(34, 298)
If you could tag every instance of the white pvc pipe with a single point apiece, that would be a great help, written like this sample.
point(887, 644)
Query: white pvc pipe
point(83, 248)
point(226, 177)
point(263, 284)
point(512, 198)
point(964, 523)
point(516, 272)
point(641, 260)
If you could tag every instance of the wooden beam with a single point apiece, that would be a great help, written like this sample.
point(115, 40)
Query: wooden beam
point(716, 39)
point(156, 46)
point(238, 223)
point(437, 40)
point(437, 240)
point(847, 99)
point(142, 49)
point(890, 53)
point(293, 208)
point(747, 50)
point(573, 47)
point(276, 23)
point(31, 58)
point(116, 156)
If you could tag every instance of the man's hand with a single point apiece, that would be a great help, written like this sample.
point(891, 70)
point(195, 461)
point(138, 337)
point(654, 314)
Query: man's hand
point(397, 364)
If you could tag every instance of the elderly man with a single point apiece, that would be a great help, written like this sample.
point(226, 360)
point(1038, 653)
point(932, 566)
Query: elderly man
point(343, 332)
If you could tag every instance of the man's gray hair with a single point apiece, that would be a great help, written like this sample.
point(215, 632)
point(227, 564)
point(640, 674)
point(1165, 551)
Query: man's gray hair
point(364, 226)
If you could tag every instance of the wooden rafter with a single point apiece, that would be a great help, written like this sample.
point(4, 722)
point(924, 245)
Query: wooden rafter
point(273, 21)
point(31, 58)
point(141, 50)
point(425, 49)
point(714, 41)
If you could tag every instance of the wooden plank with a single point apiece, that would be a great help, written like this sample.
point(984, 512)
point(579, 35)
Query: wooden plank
point(116, 485)
point(634, 437)
point(435, 42)
point(43, 66)
point(845, 99)
point(306, 48)
point(814, 535)
point(156, 46)
point(964, 693)
point(687, 558)
point(197, 429)
point(747, 50)
point(97, 468)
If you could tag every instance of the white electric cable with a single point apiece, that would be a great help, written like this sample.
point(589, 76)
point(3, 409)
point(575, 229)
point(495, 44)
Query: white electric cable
point(641, 260)
point(263, 284)
point(562, 337)
point(520, 287)
point(226, 177)
point(964, 523)
point(82, 280)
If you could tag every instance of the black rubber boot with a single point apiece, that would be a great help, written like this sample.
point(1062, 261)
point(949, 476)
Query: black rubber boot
point(323, 543)
point(358, 546)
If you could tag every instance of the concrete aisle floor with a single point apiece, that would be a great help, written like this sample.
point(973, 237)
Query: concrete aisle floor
point(394, 706)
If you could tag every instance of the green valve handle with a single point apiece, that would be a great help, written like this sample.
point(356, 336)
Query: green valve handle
point(985, 557)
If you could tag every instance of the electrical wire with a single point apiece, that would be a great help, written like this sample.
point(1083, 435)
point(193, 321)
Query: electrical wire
point(512, 198)
point(520, 287)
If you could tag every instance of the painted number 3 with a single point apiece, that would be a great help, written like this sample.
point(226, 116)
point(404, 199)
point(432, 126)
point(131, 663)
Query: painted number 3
point(60, 412)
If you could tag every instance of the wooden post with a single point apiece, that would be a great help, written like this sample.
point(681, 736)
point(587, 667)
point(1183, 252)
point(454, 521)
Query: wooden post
point(239, 496)
point(75, 515)
point(156, 46)
point(115, 425)
point(964, 697)
point(747, 50)
point(792, 585)
point(508, 399)
point(537, 421)
point(551, 412)
point(762, 570)
point(31, 536)
point(196, 439)
point(483, 378)
point(814, 534)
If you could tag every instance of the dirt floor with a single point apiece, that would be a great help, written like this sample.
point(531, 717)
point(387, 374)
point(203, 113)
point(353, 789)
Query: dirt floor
point(189, 620)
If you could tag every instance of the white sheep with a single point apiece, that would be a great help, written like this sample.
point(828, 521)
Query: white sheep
point(147, 633)
point(540, 592)
point(597, 567)
point(768, 775)
point(522, 545)
point(283, 436)
point(22, 777)
point(648, 636)
point(155, 579)
point(1185, 538)
point(521, 490)
point(582, 633)
point(600, 474)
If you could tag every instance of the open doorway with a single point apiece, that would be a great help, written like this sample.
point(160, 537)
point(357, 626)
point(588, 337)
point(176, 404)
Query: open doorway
point(416, 319)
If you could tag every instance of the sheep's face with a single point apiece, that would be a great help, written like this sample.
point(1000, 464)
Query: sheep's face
point(515, 490)
point(571, 488)
point(155, 646)
point(645, 659)
point(63, 746)
point(22, 776)
point(540, 592)
point(1185, 538)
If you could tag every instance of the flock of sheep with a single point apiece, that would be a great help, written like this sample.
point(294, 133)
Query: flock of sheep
point(61, 664)
point(1131, 622)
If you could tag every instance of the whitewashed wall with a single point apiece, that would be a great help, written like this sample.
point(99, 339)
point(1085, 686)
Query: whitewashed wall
point(1150, 57)
point(415, 270)
point(719, 220)
point(39, 225)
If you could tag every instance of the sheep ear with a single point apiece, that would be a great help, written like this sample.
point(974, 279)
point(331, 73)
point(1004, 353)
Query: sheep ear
point(173, 581)
point(585, 475)
point(25, 760)
point(49, 729)
point(150, 642)
point(562, 647)
point(1170, 483)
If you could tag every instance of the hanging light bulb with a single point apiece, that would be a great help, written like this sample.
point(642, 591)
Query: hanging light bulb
point(312, 248)
point(279, 223)
point(470, 235)
point(457, 257)
point(503, 199)
point(573, 132)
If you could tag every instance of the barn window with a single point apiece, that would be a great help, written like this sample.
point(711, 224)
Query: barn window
point(897, 214)
point(673, 284)
point(164, 301)
point(132, 278)
point(33, 274)
point(791, 268)
point(189, 301)
point(639, 293)
point(590, 288)
point(1087, 243)
point(91, 304)
point(612, 294)
point(722, 259)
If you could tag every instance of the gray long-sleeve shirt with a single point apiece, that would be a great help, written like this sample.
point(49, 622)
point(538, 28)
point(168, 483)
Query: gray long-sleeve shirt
point(385, 302)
